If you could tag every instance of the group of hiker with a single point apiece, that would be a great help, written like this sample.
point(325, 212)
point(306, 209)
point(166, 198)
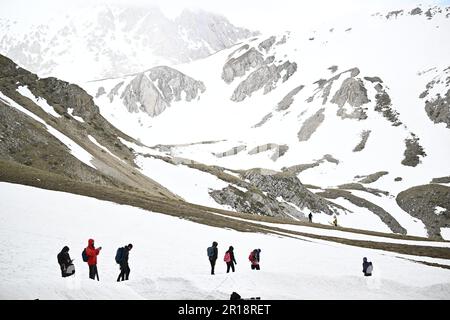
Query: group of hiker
point(230, 260)
point(89, 255)
point(334, 222)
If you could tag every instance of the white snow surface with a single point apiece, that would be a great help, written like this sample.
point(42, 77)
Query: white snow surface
point(31, 237)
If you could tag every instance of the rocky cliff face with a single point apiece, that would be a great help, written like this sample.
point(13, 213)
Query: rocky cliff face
point(265, 77)
point(437, 105)
point(154, 90)
point(290, 189)
point(429, 203)
point(237, 67)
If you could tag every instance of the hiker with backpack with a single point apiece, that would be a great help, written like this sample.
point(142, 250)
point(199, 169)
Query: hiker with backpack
point(310, 217)
point(212, 255)
point(122, 259)
point(367, 267)
point(335, 223)
point(254, 259)
point(89, 255)
point(67, 267)
point(229, 259)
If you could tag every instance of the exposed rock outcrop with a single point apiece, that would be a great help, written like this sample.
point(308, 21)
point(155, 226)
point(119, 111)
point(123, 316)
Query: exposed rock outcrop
point(237, 67)
point(254, 202)
point(310, 125)
point(267, 44)
point(266, 118)
point(362, 144)
point(384, 106)
point(278, 150)
point(288, 99)
point(372, 177)
point(353, 93)
point(100, 91)
point(154, 90)
point(115, 91)
point(412, 152)
point(441, 180)
point(233, 151)
point(290, 189)
point(267, 76)
point(438, 109)
point(421, 202)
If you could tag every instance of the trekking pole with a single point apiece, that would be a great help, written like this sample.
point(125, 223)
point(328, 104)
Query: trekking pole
point(96, 273)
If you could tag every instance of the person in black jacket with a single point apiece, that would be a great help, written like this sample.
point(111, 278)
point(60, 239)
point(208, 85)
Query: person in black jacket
point(367, 267)
point(124, 267)
point(212, 255)
point(64, 262)
point(231, 261)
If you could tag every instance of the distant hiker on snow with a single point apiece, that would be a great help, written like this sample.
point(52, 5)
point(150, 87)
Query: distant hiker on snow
point(67, 267)
point(212, 255)
point(90, 256)
point(122, 260)
point(310, 217)
point(254, 259)
point(229, 259)
point(335, 221)
point(367, 267)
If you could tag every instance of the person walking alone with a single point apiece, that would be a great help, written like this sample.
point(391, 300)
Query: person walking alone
point(212, 255)
point(122, 260)
point(254, 259)
point(229, 259)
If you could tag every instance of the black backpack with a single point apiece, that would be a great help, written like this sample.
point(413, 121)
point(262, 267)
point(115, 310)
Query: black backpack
point(235, 296)
point(84, 255)
point(119, 255)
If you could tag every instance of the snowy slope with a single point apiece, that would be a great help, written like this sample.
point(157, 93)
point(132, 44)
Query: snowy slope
point(375, 46)
point(31, 236)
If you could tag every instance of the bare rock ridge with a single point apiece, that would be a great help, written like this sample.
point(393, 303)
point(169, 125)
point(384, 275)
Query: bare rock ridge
point(362, 144)
point(32, 144)
point(237, 67)
point(153, 91)
point(260, 62)
point(310, 125)
point(266, 77)
point(354, 93)
point(438, 107)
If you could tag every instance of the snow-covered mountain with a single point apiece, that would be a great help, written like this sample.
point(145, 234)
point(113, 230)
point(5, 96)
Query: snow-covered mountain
point(104, 41)
point(357, 111)
point(238, 148)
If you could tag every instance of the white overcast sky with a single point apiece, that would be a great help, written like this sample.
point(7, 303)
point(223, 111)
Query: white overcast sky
point(263, 15)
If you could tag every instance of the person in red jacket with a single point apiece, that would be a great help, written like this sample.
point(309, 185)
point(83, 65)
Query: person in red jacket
point(92, 254)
